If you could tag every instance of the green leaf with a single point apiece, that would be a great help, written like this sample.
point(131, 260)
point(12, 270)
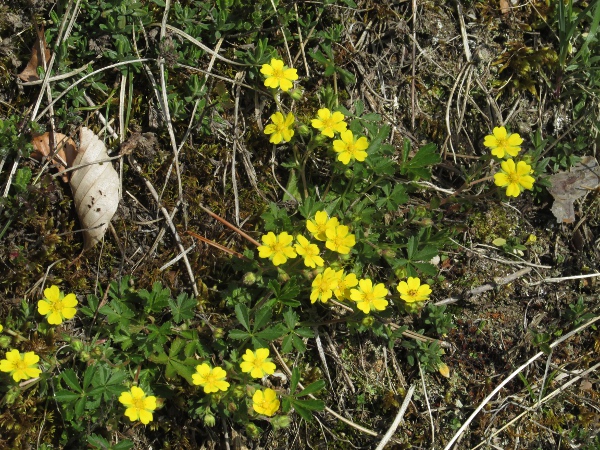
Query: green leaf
point(243, 316)
point(183, 370)
point(299, 343)
point(157, 299)
point(290, 318)
point(262, 317)
point(286, 344)
point(271, 333)
point(182, 308)
point(22, 178)
point(69, 377)
point(239, 335)
point(65, 396)
point(312, 388)
point(176, 347)
point(295, 379)
point(80, 407)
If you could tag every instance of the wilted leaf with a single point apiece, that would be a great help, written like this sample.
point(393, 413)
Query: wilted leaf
point(62, 157)
point(569, 186)
point(36, 60)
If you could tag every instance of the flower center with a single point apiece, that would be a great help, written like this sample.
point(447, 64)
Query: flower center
point(20, 365)
point(514, 177)
point(138, 403)
point(413, 292)
point(258, 363)
point(211, 379)
point(278, 74)
point(368, 297)
point(328, 123)
point(502, 143)
point(278, 247)
point(56, 306)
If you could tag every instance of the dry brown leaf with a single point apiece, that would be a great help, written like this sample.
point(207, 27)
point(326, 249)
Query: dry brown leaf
point(62, 158)
point(95, 187)
point(504, 6)
point(570, 186)
point(30, 72)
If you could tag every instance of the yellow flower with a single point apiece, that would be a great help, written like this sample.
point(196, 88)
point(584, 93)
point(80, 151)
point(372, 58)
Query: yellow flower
point(321, 223)
point(212, 380)
point(344, 283)
point(278, 248)
point(56, 306)
point(22, 366)
point(413, 291)
point(1, 328)
point(258, 363)
point(265, 402)
point(139, 407)
point(349, 148)
point(339, 239)
point(369, 297)
point(329, 123)
point(514, 177)
point(278, 75)
point(503, 143)
point(309, 251)
point(323, 286)
point(280, 129)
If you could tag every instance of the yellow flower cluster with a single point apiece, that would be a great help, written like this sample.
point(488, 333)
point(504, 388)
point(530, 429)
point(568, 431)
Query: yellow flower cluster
point(347, 147)
point(57, 307)
point(515, 177)
point(337, 237)
point(279, 248)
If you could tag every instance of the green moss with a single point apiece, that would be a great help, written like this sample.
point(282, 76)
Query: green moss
point(496, 222)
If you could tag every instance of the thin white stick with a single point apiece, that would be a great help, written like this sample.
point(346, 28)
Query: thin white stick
point(397, 420)
point(428, 406)
point(558, 280)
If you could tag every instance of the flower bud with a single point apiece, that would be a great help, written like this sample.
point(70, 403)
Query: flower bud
point(296, 93)
point(303, 130)
point(252, 430)
point(249, 278)
point(368, 321)
point(279, 422)
point(210, 420)
point(420, 211)
point(239, 392)
point(232, 407)
point(5, 341)
point(77, 345)
point(283, 277)
point(218, 333)
point(401, 273)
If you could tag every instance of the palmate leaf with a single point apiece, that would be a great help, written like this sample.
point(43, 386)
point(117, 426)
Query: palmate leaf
point(182, 308)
